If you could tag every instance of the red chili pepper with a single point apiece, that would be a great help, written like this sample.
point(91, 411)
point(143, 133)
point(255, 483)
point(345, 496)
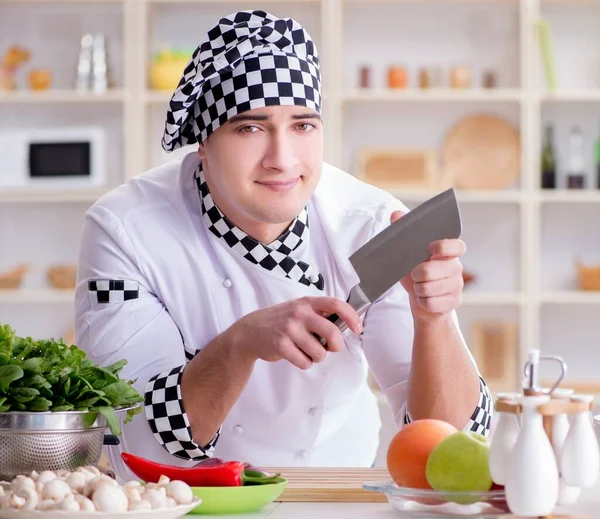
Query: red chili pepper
point(226, 474)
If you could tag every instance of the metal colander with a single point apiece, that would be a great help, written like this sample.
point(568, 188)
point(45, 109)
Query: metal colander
point(49, 441)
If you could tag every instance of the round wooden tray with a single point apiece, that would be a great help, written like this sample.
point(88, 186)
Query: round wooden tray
point(482, 152)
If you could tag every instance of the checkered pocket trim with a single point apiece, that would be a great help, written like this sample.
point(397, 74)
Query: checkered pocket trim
point(113, 290)
point(481, 419)
point(167, 418)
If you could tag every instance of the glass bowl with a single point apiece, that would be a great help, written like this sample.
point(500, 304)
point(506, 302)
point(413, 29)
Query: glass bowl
point(418, 502)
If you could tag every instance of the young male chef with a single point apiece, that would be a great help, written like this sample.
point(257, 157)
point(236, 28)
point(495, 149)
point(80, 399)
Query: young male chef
point(211, 274)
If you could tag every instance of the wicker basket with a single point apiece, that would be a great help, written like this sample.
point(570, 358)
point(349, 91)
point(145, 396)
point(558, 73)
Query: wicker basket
point(589, 276)
point(13, 278)
point(62, 276)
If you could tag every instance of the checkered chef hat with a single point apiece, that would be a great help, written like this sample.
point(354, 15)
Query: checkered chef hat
point(251, 59)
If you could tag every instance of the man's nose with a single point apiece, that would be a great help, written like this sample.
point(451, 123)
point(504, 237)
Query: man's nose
point(280, 154)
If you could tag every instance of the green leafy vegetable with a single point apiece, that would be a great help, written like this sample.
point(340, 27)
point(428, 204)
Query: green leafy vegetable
point(49, 375)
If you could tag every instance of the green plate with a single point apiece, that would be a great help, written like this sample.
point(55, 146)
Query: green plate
point(237, 500)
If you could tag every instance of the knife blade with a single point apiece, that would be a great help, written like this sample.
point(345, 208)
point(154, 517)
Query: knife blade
point(393, 253)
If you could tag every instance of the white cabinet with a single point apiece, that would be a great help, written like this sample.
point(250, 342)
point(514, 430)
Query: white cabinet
point(522, 241)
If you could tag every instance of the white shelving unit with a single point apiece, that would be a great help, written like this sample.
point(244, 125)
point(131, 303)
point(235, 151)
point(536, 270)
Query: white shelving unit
point(516, 237)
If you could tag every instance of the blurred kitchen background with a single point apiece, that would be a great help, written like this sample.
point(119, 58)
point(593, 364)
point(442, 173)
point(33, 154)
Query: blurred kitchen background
point(498, 98)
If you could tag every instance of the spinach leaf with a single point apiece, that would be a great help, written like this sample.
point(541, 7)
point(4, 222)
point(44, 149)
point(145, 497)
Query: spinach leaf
point(49, 375)
point(9, 374)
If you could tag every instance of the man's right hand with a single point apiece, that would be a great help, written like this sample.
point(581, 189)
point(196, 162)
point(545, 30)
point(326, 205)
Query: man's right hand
point(286, 331)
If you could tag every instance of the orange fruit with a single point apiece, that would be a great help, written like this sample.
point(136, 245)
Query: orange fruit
point(410, 448)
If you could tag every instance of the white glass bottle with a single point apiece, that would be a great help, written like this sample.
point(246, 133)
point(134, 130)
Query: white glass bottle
point(580, 457)
point(532, 477)
point(503, 439)
point(567, 494)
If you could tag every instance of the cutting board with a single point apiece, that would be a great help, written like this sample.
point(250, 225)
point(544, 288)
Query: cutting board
point(330, 484)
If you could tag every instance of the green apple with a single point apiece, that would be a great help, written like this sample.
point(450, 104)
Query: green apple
point(460, 463)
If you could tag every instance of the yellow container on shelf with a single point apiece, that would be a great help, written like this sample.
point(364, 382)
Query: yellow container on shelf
point(167, 68)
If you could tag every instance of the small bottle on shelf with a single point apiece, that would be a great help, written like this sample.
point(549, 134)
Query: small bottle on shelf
point(576, 170)
point(548, 160)
point(597, 162)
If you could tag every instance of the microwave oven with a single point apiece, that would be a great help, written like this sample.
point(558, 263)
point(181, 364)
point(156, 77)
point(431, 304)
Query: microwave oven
point(66, 157)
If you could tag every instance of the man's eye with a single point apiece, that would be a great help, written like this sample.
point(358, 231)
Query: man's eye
point(247, 129)
point(305, 127)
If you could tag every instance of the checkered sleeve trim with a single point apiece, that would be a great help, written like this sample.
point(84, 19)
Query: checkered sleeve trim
point(168, 421)
point(481, 419)
point(113, 290)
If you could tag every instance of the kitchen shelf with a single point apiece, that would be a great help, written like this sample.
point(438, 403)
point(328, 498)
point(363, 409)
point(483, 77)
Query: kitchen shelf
point(492, 298)
point(157, 97)
point(570, 196)
point(29, 196)
point(27, 295)
point(574, 297)
point(430, 95)
point(463, 196)
point(582, 96)
point(3, 2)
point(229, 1)
point(61, 96)
point(421, 1)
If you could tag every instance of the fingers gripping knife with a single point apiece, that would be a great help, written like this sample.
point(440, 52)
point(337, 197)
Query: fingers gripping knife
point(396, 251)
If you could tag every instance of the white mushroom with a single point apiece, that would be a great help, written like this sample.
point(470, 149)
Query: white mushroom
point(134, 494)
point(76, 480)
point(34, 475)
point(24, 499)
point(22, 482)
point(96, 482)
point(155, 497)
point(180, 492)
point(163, 480)
point(46, 504)
point(68, 505)
point(107, 498)
point(85, 504)
point(39, 486)
point(139, 506)
point(63, 473)
point(1, 490)
point(45, 476)
point(93, 470)
point(16, 501)
point(5, 501)
point(171, 503)
point(56, 489)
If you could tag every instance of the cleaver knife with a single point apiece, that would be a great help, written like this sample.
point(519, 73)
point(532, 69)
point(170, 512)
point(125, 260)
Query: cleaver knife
point(397, 250)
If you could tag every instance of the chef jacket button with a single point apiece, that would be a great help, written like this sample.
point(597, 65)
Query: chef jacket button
point(238, 429)
point(227, 283)
point(312, 411)
point(314, 278)
point(303, 454)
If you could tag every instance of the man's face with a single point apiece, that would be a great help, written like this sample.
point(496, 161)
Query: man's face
point(263, 165)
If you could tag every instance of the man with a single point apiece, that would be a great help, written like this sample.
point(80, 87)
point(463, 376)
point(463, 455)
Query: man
point(212, 274)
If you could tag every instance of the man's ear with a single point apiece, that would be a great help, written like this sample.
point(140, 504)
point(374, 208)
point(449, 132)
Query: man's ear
point(202, 150)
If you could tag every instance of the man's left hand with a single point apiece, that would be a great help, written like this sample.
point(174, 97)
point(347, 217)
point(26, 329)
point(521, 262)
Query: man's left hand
point(435, 286)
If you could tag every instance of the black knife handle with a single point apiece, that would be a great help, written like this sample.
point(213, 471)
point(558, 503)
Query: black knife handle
point(358, 301)
point(334, 318)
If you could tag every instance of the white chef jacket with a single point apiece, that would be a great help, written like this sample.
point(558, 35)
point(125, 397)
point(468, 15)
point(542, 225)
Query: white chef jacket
point(150, 232)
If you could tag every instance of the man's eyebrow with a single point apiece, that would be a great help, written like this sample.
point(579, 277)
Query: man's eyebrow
point(247, 117)
point(257, 117)
point(310, 115)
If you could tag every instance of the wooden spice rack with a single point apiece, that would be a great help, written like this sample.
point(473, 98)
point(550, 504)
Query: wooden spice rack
point(548, 410)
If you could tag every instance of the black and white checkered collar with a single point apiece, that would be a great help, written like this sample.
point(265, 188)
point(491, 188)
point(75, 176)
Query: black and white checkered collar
point(276, 256)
